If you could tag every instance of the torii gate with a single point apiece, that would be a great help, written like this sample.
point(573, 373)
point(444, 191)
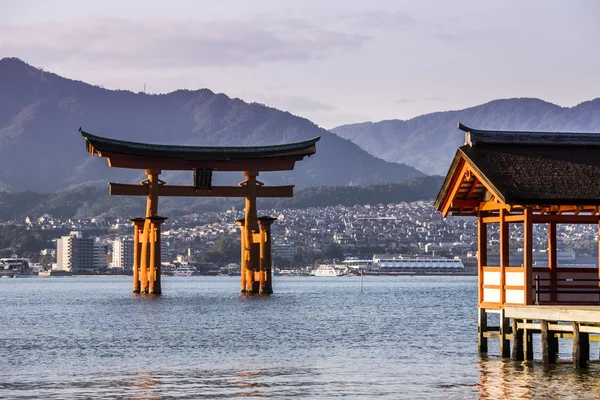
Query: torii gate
point(154, 158)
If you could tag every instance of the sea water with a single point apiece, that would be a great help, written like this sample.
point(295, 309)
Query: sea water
point(314, 338)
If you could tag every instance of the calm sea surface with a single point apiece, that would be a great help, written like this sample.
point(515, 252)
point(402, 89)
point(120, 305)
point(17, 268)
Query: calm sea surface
point(403, 337)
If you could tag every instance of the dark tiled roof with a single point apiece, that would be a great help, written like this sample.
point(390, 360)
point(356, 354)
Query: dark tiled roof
point(557, 175)
point(532, 168)
point(195, 152)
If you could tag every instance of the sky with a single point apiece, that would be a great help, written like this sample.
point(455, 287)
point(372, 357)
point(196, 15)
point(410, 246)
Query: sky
point(332, 61)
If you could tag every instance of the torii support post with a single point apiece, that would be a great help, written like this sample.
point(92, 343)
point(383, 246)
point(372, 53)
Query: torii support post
point(148, 247)
point(266, 267)
point(154, 286)
point(252, 250)
point(241, 223)
point(138, 226)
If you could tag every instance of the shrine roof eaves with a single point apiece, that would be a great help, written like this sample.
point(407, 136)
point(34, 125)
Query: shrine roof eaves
point(478, 137)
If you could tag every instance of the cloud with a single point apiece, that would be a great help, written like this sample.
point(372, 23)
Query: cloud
point(301, 103)
point(107, 42)
point(297, 104)
point(419, 99)
point(381, 19)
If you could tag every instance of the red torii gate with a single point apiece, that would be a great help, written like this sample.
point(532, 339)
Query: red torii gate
point(203, 161)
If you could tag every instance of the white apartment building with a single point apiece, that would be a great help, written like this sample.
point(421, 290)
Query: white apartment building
point(122, 255)
point(79, 254)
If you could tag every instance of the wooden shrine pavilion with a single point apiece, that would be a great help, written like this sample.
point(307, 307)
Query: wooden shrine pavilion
point(203, 161)
point(519, 179)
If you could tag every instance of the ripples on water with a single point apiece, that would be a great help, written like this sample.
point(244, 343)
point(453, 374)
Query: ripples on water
point(403, 337)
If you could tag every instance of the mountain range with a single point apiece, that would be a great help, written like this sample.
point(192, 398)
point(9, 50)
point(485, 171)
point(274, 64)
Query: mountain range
point(41, 149)
point(84, 201)
point(428, 142)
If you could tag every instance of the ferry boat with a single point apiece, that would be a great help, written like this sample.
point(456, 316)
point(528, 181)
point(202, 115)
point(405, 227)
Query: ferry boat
point(419, 265)
point(184, 270)
point(327, 270)
point(15, 267)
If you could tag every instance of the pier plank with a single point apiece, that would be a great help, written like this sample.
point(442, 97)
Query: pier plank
point(567, 313)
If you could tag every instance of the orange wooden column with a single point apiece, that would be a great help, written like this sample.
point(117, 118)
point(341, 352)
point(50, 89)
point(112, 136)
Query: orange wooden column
point(241, 223)
point(138, 226)
point(504, 254)
point(266, 267)
point(598, 249)
point(528, 256)
point(151, 209)
point(481, 254)
point(152, 200)
point(154, 286)
point(251, 260)
point(552, 259)
point(144, 257)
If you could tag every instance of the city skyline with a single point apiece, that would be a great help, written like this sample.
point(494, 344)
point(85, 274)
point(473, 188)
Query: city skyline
point(334, 63)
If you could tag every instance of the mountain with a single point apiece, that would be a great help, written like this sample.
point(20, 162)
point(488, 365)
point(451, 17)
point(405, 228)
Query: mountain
point(84, 201)
point(41, 149)
point(429, 142)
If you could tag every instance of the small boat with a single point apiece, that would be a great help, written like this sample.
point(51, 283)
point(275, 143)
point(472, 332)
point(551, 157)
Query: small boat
point(184, 270)
point(327, 270)
point(15, 267)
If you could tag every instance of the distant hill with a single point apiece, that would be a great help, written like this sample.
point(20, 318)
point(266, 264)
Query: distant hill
point(429, 142)
point(423, 188)
point(88, 201)
point(41, 150)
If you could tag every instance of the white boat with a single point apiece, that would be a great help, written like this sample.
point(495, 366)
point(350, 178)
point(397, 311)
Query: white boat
point(15, 267)
point(326, 270)
point(401, 264)
point(184, 270)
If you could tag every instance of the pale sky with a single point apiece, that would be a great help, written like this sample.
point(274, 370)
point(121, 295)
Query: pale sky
point(332, 61)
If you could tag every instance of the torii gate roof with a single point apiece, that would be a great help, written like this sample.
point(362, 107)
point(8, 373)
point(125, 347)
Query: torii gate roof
point(136, 155)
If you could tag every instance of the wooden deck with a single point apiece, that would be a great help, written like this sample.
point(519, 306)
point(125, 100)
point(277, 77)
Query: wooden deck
point(581, 323)
point(565, 313)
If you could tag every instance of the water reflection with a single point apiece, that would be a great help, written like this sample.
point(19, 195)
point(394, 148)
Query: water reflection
point(145, 385)
point(248, 380)
point(507, 379)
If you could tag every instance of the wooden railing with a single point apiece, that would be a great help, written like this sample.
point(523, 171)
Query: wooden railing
point(559, 286)
point(579, 288)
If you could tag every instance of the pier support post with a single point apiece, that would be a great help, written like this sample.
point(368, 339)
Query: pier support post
point(581, 347)
point(138, 226)
point(517, 349)
point(482, 341)
point(504, 342)
point(527, 343)
point(548, 344)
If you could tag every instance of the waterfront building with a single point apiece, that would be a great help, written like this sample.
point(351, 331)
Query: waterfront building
point(79, 254)
point(122, 254)
point(521, 180)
